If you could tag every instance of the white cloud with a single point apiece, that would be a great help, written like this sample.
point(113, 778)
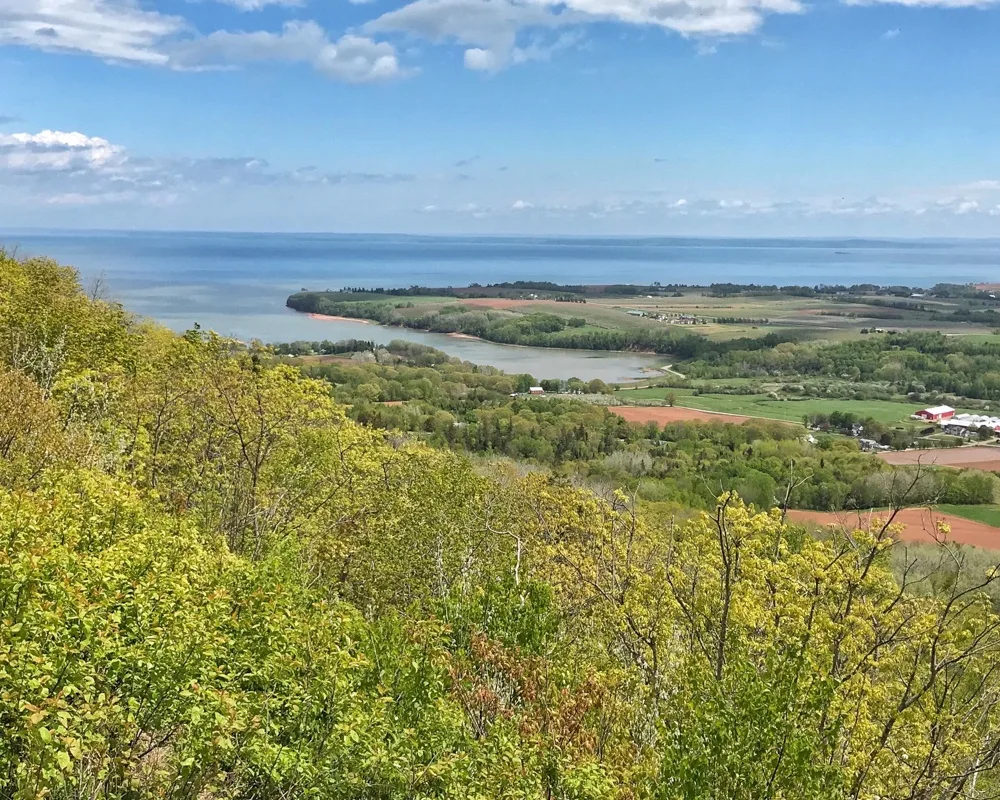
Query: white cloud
point(257, 5)
point(925, 3)
point(56, 151)
point(103, 198)
point(982, 186)
point(354, 59)
point(119, 30)
point(487, 60)
point(867, 207)
point(116, 30)
point(654, 206)
point(489, 29)
point(952, 205)
point(891, 34)
point(71, 168)
point(542, 50)
point(479, 59)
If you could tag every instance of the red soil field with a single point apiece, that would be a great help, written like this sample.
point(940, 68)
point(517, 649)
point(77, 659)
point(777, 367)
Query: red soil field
point(662, 415)
point(976, 457)
point(918, 525)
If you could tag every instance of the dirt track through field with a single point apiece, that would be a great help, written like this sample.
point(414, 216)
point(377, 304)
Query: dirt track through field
point(918, 525)
point(662, 415)
point(976, 457)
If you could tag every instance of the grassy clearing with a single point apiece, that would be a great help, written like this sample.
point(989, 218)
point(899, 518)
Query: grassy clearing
point(792, 410)
point(803, 318)
point(319, 359)
point(989, 515)
point(979, 338)
point(800, 318)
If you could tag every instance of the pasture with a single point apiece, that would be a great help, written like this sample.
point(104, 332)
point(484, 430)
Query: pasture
point(792, 409)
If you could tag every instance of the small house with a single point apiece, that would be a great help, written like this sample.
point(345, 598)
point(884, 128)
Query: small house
point(536, 390)
point(960, 429)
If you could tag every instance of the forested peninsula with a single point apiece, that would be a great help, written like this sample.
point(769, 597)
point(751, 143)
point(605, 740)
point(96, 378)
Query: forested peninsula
point(716, 322)
point(214, 583)
point(534, 328)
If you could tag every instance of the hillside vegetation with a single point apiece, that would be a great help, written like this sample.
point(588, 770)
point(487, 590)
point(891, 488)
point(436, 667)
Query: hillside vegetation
point(214, 584)
point(448, 403)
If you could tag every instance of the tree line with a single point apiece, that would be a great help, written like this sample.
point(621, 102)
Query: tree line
point(914, 363)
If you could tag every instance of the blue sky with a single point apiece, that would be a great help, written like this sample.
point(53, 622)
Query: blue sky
point(743, 117)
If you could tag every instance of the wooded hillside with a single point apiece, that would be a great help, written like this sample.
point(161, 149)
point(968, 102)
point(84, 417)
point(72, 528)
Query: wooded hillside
point(213, 584)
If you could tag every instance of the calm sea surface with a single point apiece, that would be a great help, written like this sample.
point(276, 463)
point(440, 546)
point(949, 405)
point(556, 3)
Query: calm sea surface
point(236, 283)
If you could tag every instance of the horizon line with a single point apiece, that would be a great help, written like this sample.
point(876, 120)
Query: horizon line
point(40, 230)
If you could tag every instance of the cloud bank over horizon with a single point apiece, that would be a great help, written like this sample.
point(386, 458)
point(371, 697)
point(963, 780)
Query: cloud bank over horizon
point(71, 169)
point(500, 115)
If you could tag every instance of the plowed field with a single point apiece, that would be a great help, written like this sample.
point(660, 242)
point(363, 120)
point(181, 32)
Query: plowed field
point(662, 415)
point(976, 457)
point(918, 525)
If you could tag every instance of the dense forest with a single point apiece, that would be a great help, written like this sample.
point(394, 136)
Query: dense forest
point(214, 584)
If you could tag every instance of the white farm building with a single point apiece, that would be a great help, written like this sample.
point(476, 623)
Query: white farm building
point(969, 424)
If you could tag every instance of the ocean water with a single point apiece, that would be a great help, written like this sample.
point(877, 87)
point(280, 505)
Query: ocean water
point(236, 283)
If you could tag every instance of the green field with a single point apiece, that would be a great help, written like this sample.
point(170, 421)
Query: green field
point(980, 338)
point(793, 410)
point(989, 515)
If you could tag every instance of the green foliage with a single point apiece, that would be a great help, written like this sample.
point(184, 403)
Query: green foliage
point(469, 408)
point(214, 584)
point(922, 364)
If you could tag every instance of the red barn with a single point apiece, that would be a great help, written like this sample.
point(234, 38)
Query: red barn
point(936, 414)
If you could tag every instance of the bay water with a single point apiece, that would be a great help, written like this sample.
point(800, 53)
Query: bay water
point(236, 283)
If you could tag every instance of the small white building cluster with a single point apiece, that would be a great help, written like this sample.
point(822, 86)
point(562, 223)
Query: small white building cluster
point(670, 319)
point(969, 424)
point(964, 425)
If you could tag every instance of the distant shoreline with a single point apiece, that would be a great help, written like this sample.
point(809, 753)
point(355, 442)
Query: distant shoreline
point(471, 338)
point(332, 318)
